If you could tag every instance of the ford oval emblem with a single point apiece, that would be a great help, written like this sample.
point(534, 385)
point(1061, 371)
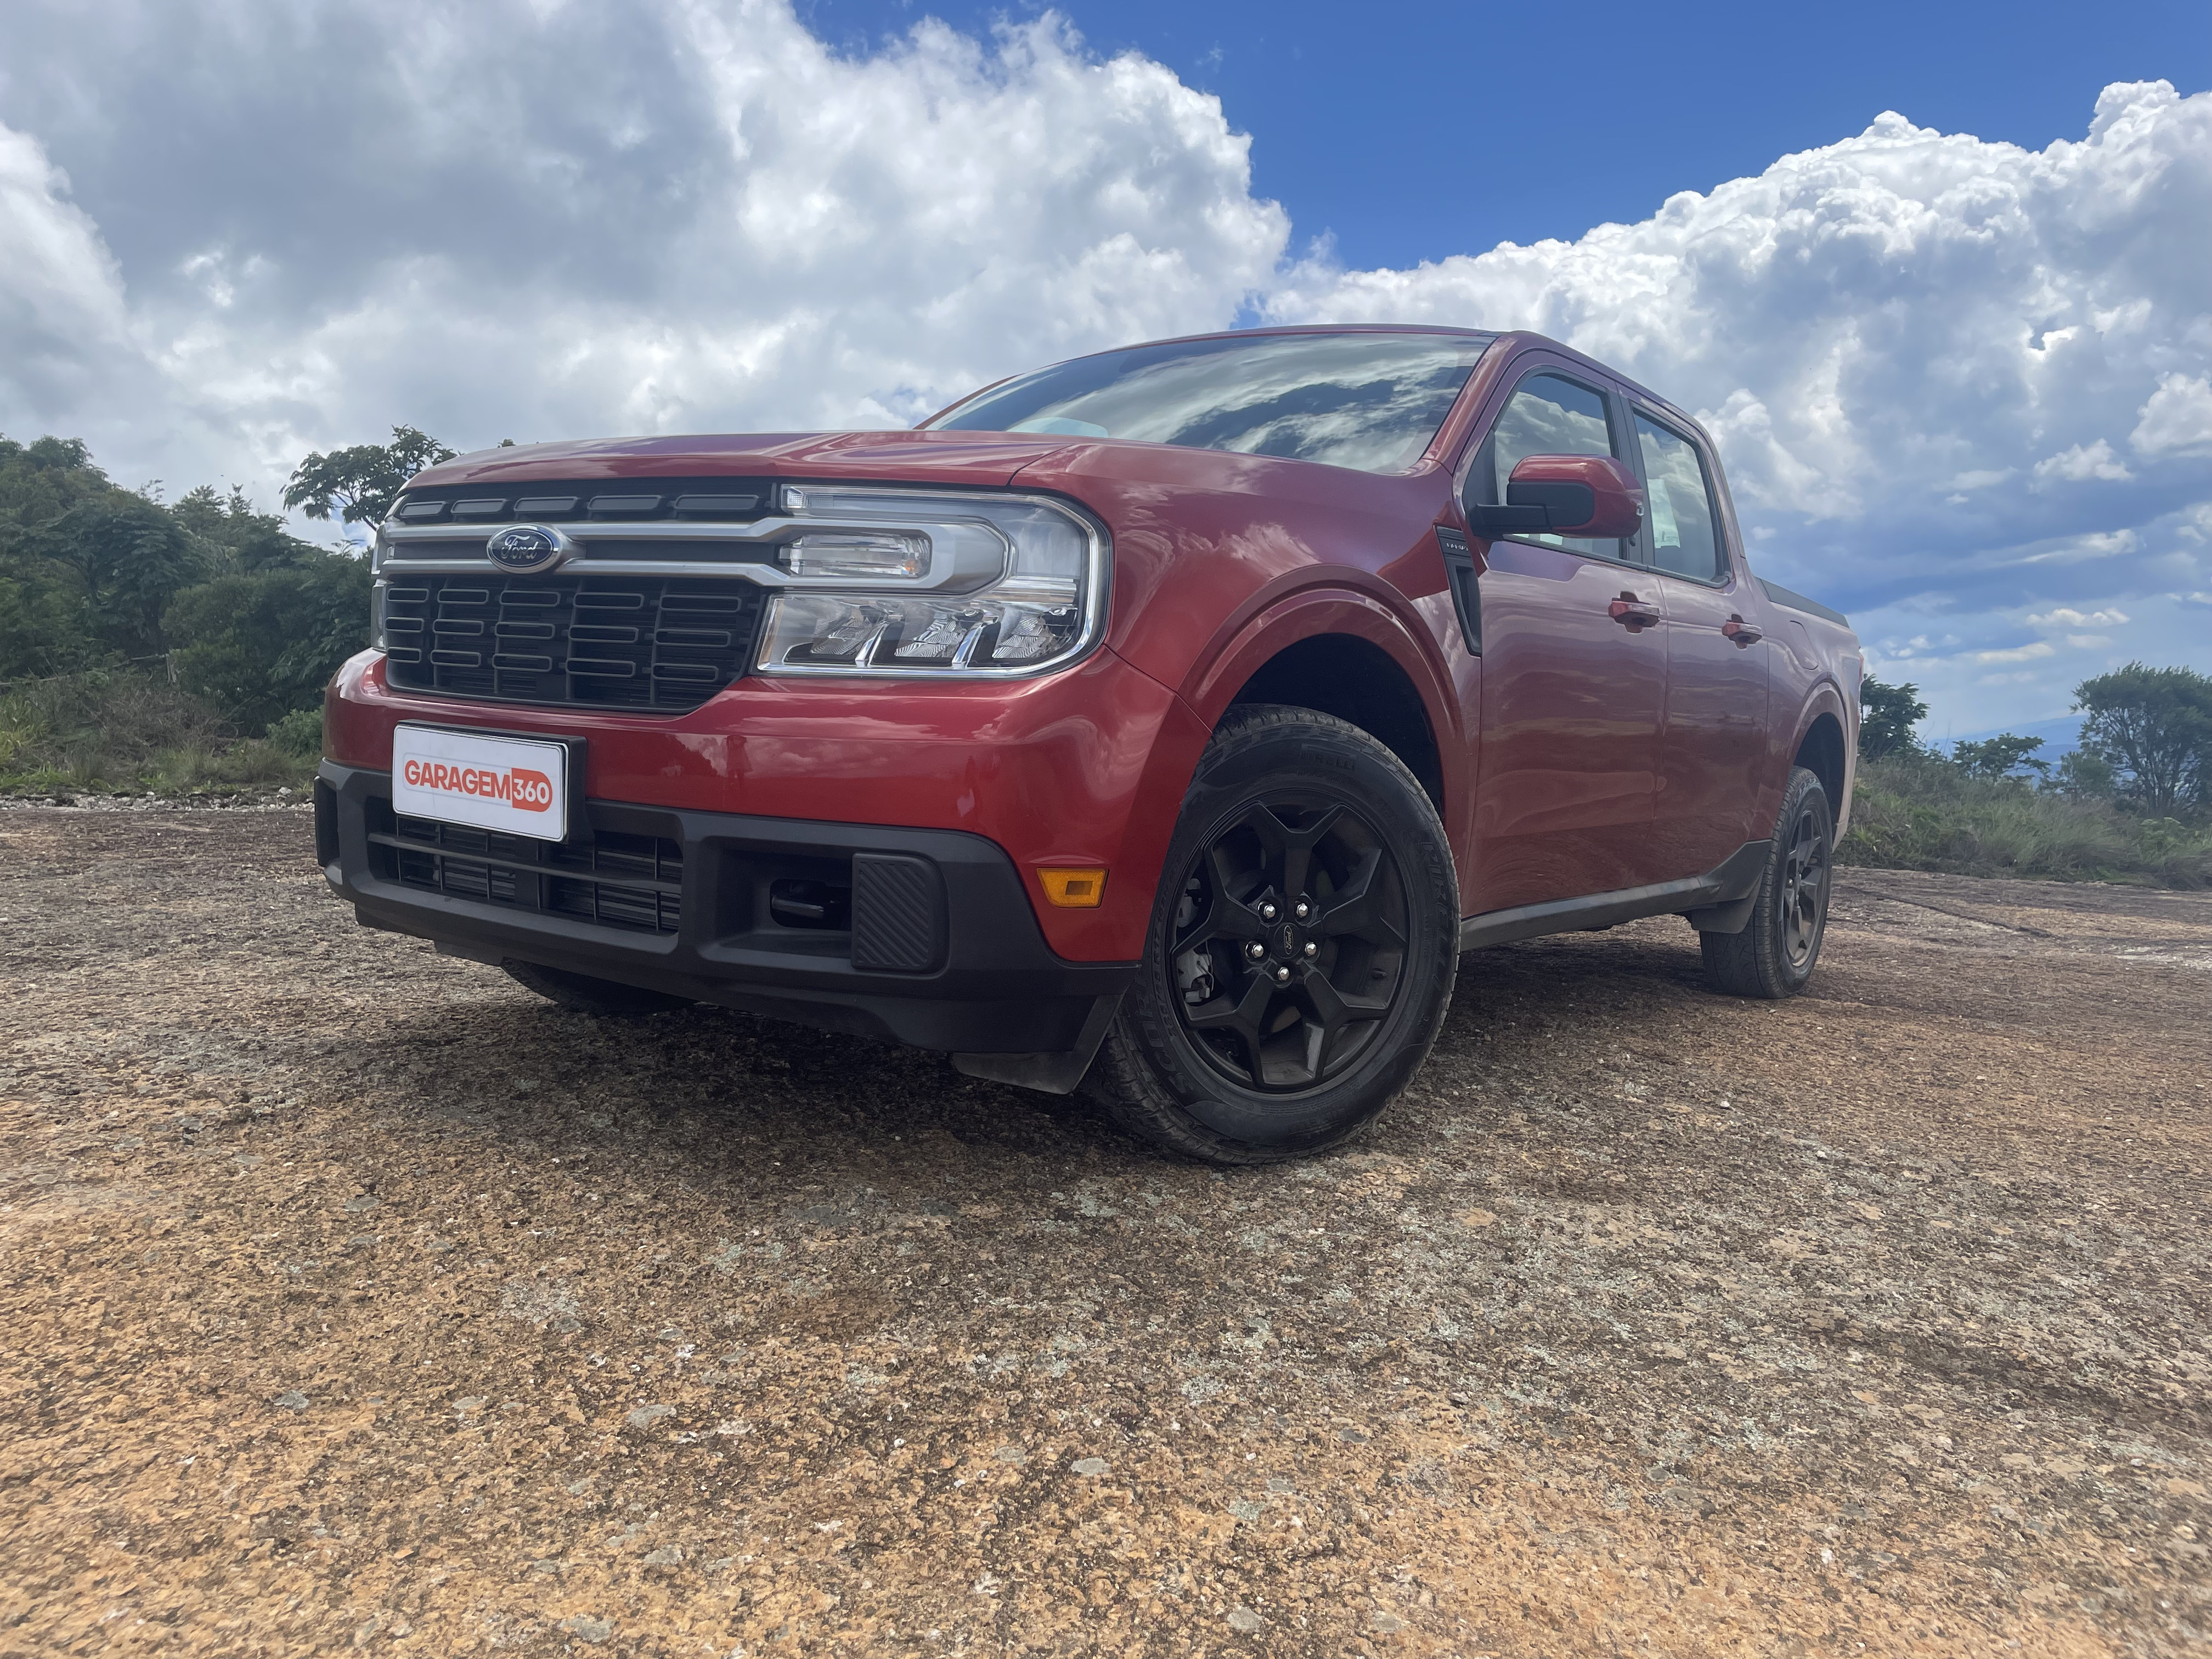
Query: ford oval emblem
point(527, 547)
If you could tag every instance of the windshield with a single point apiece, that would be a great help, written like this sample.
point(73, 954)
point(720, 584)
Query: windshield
point(1369, 401)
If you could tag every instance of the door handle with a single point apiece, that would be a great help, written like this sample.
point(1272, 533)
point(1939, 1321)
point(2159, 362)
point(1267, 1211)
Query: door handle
point(1741, 631)
point(1632, 613)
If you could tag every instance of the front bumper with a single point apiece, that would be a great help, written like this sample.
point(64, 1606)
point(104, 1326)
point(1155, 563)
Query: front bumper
point(1085, 767)
point(942, 949)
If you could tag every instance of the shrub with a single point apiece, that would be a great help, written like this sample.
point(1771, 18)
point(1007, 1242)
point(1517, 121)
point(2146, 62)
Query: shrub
point(300, 734)
point(262, 644)
point(1923, 813)
point(125, 731)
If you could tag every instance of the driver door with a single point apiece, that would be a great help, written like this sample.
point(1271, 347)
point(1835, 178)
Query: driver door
point(1574, 685)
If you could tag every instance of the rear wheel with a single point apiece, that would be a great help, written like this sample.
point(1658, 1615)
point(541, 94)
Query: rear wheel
point(587, 995)
point(1302, 949)
point(1776, 952)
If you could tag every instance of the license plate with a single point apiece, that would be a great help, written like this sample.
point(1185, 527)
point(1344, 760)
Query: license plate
point(486, 782)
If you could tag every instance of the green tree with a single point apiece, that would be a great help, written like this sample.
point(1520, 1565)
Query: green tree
point(1887, 714)
point(2153, 727)
point(240, 538)
point(126, 557)
point(259, 644)
point(361, 484)
point(2086, 776)
point(2001, 756)
point(51, 454)
point(42, 611)
point(251, 619)
point(38, 629)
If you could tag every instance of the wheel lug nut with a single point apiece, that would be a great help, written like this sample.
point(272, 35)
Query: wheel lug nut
point(1312, 949)
point(1302, 910)
point(1267, 913)
point(1255, 949)
point(1282, 976)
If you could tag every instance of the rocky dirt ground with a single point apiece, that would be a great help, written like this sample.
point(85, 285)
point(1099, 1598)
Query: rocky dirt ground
point(353, 1298)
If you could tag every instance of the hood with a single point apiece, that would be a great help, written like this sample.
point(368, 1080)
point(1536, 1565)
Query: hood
point(970, 458)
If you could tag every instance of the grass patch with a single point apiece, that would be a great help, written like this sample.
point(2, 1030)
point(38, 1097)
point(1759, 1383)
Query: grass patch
point(122, 731)
point(1916, 814)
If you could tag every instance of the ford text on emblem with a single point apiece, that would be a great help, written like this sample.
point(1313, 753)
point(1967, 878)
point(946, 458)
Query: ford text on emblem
point(527, 547)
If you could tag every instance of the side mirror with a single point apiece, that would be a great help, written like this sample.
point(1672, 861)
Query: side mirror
point(1589, 496)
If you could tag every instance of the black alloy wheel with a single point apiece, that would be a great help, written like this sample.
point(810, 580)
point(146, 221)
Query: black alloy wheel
point(1804, 899)
point(1290, 943)
point(1775, 953)
point(1304, 943)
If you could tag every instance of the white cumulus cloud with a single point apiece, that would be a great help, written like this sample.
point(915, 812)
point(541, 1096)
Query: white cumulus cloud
point(63, 323)
point(1874, 325)
point(2177, 417)
point(2066, 616)
point(546, 220)
point(2078, 462)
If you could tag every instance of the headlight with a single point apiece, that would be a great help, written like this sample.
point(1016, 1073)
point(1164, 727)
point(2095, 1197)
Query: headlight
point(910, 581)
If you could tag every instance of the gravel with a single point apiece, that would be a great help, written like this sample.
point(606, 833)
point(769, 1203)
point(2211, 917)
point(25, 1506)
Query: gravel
point(1648, 1322)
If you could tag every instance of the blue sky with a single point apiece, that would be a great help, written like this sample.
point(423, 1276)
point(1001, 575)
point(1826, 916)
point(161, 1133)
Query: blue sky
point(1413, 131)
point(1958, 358)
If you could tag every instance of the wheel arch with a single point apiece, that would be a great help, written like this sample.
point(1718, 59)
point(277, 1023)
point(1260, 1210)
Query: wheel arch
point(1821, 752)
point(1345, 654)
point(1358, 682)
point(1822, 749)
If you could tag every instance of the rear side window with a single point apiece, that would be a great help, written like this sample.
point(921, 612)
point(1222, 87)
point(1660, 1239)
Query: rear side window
point(1685, 541)
point(1549, 415)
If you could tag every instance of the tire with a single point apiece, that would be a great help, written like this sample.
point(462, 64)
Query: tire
point(1222, 1057)
point(586, 995)
point(1780, 945)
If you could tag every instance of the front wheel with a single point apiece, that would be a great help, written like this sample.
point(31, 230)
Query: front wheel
point(1774, 955)
point(1302, 949)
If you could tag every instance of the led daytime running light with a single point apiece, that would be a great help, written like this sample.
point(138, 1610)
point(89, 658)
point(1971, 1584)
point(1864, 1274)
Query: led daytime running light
point(865, 554)
point(1034, 603)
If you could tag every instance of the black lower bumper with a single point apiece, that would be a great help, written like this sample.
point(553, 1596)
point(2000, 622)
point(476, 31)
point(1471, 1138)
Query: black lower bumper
point(923, 936)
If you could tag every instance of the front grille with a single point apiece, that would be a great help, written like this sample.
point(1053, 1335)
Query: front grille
point(568, 501)
point(635, 882)
point(650, 643)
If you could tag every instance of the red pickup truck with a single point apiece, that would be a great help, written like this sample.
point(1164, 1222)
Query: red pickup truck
point(1169, 720)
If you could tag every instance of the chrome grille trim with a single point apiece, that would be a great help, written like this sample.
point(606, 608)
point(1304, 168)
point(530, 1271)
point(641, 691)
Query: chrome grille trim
point(755, 541)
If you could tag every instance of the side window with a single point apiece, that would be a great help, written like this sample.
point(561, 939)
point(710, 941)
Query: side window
point(1549, 415)
point(1685, 541)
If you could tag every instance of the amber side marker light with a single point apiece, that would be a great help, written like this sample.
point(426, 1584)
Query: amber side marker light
point(1073, 890)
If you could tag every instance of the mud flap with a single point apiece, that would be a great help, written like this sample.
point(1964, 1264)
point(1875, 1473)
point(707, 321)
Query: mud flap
point(1737, 883)
point(1731, 918)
